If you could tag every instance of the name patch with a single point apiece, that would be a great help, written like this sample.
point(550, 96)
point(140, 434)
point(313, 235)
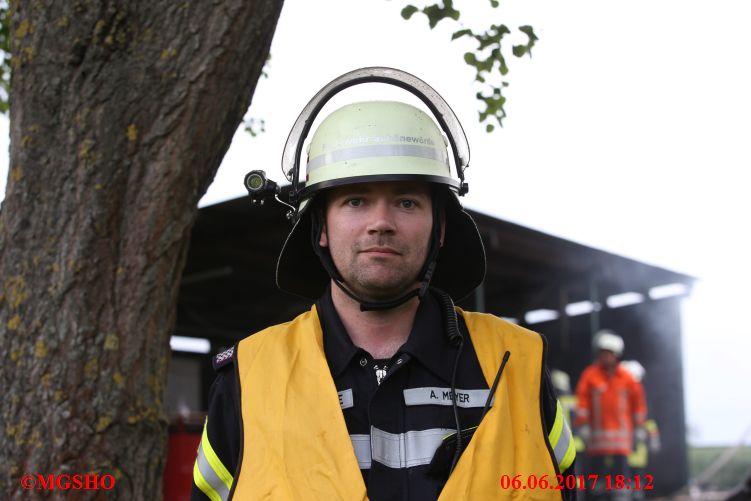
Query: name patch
point(345, 399)
point(433, 395)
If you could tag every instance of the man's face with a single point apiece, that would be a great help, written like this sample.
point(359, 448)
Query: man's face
point(378, 235)
point(607, 359)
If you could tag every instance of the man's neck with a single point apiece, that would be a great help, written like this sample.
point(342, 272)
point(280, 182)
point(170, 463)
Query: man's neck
point(381, 332)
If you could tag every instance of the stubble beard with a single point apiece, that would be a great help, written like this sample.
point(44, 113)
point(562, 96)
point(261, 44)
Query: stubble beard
point(375, 280)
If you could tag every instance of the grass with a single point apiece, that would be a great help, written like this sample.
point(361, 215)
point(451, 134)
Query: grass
point(733, 473)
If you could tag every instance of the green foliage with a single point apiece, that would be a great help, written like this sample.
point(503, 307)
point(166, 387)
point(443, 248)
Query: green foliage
point(488, 58)
point(493, 107)
point(437, 13)
point(408, 11)
point(520, 50)
point(4, 57)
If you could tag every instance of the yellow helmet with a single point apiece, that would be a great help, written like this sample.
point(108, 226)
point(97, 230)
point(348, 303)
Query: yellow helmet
point(376, 141)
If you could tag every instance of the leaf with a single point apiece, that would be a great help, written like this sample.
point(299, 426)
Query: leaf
point(437, 13)
point(461, 33)
point(529, 31)
point(492, 37)
point(519, 50)
point(503, 66)
point(408, 11)
point(493, 107)
point(488, 57)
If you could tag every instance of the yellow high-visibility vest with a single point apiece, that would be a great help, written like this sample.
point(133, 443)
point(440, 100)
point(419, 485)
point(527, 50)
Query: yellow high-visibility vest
point(295, 441)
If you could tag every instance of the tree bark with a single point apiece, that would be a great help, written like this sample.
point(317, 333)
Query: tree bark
point(121, 111)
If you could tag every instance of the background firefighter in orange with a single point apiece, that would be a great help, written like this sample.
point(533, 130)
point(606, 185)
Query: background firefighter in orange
point(611, 412)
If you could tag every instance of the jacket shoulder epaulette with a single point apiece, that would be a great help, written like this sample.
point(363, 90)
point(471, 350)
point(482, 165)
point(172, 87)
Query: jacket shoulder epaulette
point(223, 358)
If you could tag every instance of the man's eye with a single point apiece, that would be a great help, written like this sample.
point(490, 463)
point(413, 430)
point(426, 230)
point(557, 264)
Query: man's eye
point(407, 204)
point(354, 202)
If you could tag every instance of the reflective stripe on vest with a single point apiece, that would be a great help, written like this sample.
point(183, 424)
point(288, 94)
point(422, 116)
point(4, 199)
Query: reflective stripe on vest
point(605, 444)
point(611, 440)
point(611, 434)
point(561, 440)
point(209, 474)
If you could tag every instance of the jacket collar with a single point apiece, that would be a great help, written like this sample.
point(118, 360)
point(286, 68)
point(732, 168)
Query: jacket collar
point(427, 340)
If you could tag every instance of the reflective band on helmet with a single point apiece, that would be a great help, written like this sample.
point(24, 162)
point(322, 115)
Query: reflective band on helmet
point(561, 440)
point(209, 474)
point(404, 450)
point(377, 150)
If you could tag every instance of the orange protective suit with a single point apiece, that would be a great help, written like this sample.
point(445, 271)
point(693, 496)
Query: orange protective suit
point(611, 406)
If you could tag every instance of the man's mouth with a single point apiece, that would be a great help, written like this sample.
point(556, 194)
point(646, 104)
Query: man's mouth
point(380, 251)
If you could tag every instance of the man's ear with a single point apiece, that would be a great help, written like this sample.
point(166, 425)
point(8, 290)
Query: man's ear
point(323, 240)
point(443, 226)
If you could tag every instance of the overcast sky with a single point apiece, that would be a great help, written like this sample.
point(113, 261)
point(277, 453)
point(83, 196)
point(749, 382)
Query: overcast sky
point(627, 131)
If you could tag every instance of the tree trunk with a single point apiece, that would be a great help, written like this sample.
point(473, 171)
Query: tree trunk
point(121, 111)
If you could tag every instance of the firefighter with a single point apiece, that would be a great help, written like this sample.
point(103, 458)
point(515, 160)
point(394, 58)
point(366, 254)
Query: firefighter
point(562, 384)
point(379, 390)
point(646, 442)
point(611, 410)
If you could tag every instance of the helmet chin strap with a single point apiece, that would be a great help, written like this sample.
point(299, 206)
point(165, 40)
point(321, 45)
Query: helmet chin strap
point(439, 197)
point(387, 305)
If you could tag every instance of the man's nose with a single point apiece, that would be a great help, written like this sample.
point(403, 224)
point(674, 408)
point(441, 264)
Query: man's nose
point(382, 219)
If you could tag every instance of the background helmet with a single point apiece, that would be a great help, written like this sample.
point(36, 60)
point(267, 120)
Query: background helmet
point(610, 341)
point(561, 381)
point(376, 141)
point(634, 368)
